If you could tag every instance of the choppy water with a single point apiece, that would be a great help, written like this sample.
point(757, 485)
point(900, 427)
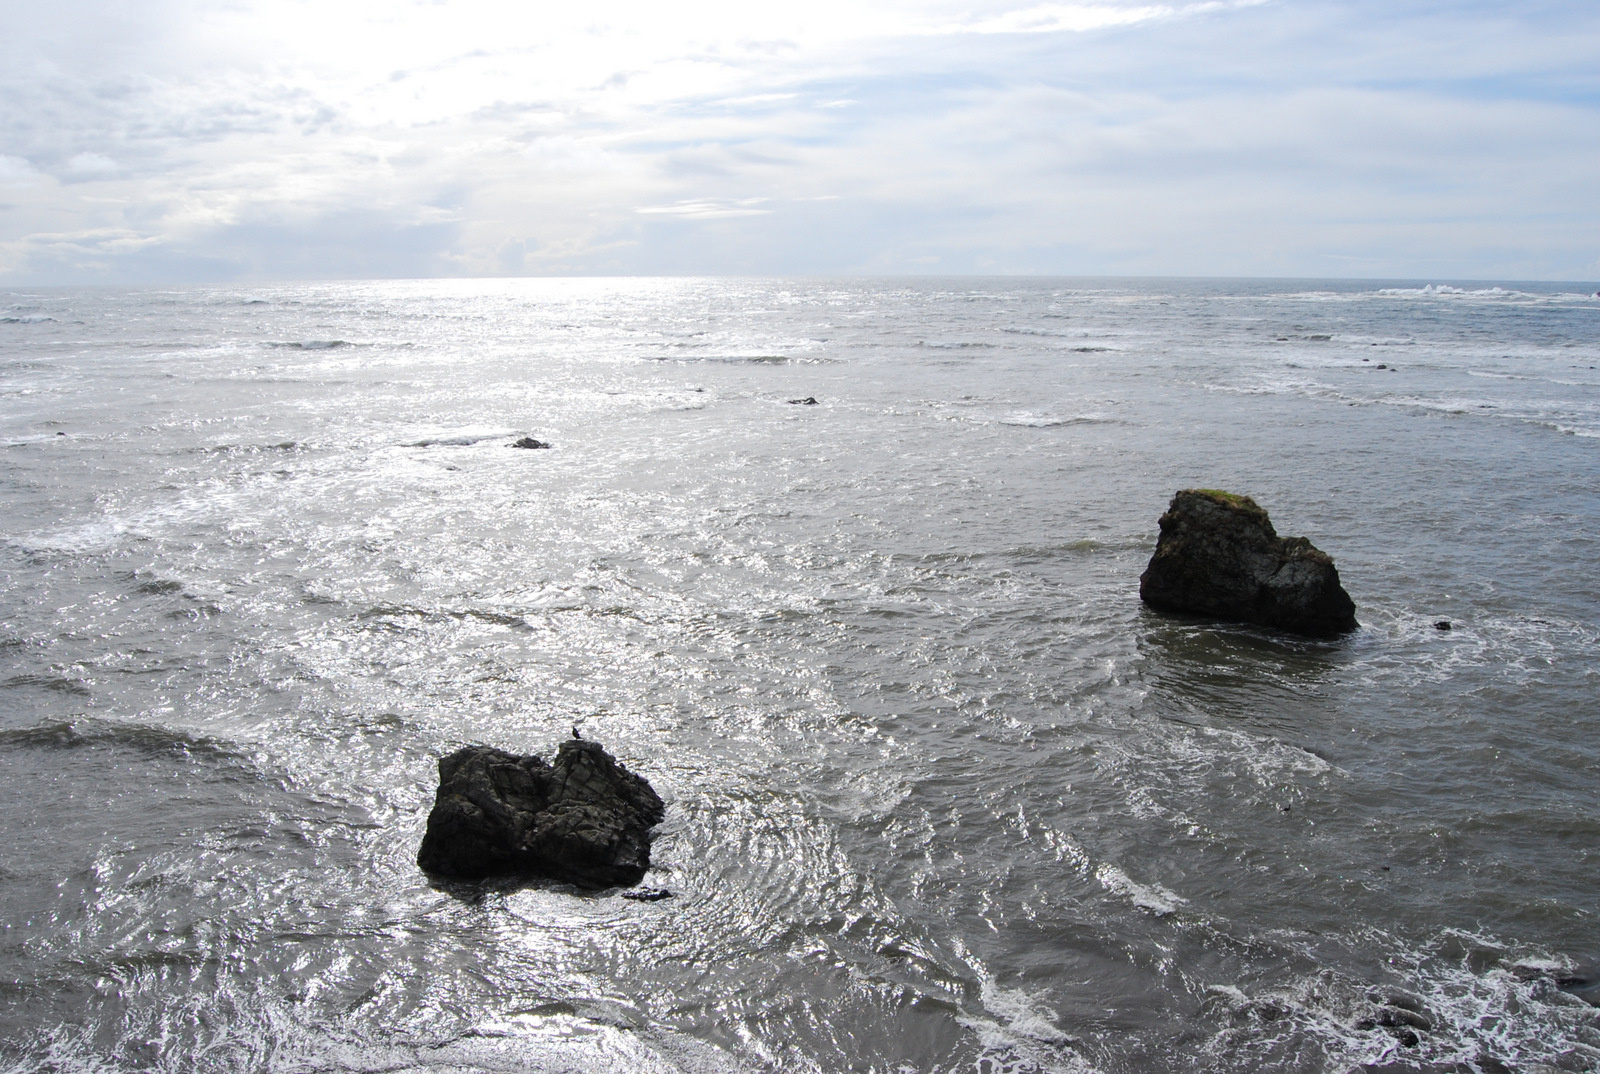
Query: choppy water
point(942, 796)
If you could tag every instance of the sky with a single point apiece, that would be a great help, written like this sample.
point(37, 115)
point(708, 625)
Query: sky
point(243, 140)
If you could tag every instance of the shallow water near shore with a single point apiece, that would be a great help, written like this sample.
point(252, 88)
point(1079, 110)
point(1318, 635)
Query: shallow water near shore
point(941, 794)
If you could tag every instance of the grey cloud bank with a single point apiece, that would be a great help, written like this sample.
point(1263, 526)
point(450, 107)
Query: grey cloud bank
point(213, 141)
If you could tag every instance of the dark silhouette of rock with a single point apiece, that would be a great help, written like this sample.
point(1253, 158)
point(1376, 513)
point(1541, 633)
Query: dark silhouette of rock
point(530, 442)
point(647, 894)
point(809, 400)
point(1401, 1015)
point(584, 819)
point(1443, 624)
point(1218, 555)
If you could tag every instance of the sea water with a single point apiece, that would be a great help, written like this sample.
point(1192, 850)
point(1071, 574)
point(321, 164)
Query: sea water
point(942, 795)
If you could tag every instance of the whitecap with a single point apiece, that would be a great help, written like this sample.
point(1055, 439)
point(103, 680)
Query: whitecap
point(1016, 1033)
point(1027, 420)
point(1152, 897)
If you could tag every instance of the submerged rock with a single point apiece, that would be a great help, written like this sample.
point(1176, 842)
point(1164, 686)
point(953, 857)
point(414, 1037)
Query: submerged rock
point(647, 894)
point(530, 442)
point(809, 400)
point(1218, 555)
point(584, 819)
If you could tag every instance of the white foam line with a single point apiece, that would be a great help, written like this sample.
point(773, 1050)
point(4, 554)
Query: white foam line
point(1152, 897)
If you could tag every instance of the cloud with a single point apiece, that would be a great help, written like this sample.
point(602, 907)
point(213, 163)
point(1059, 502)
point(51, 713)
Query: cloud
point(91, 166)
point(1080, 18)
point(706, 208)
point(16, 170)
point(238, 138)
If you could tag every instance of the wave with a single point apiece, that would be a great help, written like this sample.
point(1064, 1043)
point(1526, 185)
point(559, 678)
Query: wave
point(397, 611)
point(57, 683)
point(744, 359)
point(1016, 1034)
point(1564, 428)
point(1492, 293)
point(86, 733)
point(308, 344)
point(87, 538)
point(459, 439)
point(1026, 420)
point(1458, 406)
point(1468, 1002)
point(1445, 290)
point(248, 449)
point(26, 319)
point(1149, 897)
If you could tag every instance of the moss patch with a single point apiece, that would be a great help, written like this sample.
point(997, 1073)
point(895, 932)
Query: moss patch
point(1230, 499)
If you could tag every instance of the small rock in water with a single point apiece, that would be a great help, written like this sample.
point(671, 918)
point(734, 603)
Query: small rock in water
point(584, 819)
point(1585, 988)
point(1402, 1016)
point(530, 442)
point(809, 400)
point(1382, 365)
point(1581, 982)
point(1443, 624)
point(647, 894)
point(1218, 555)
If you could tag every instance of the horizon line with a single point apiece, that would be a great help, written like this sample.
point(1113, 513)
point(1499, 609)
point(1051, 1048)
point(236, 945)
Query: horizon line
point(1448, 281)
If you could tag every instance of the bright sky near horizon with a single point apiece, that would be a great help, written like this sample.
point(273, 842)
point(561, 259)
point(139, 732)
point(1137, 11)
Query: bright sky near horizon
point(212, 140)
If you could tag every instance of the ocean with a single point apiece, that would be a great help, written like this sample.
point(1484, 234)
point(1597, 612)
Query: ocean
point(942, 795)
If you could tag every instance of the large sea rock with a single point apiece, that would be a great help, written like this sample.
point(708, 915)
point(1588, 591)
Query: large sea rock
point(1219, 556)
point(584, 819)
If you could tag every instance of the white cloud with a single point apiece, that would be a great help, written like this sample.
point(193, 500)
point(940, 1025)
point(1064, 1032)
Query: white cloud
point(91, 165)
point(707, 208)
point(16, 170)
point(1081, 18)
point(464, 136)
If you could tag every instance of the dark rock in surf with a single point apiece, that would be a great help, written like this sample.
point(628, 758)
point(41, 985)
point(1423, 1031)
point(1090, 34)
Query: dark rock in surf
point(1218, 555)
point(530, 442)
point(647, 894)
point(1581, 982)
point(809, 400)
point(1403, 1016)
point(584, 819)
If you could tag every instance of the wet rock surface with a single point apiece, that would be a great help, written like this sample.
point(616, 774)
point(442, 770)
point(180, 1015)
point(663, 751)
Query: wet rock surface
point(530, 443)
point(647, 894)
point(1219, 556)
point(584, 819)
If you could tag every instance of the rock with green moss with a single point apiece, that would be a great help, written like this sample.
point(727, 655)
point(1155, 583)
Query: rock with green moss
point(1219, 556)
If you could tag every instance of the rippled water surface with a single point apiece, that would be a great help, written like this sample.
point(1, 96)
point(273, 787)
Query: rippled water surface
point(942, 795)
